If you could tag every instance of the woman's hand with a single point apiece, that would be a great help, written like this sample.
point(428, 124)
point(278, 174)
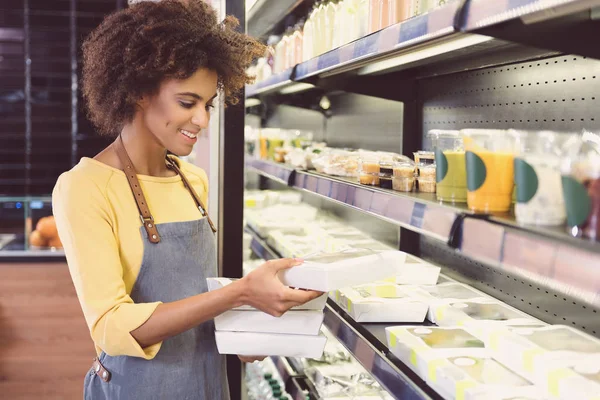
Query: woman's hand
point(263, 289)
point(251, 359)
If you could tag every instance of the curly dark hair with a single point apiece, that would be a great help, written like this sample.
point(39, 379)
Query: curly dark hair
point(135, 49)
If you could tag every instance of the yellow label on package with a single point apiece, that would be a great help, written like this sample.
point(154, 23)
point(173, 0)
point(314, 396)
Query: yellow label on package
point(432, 367)
point(393, 339)
point(529, 358)
point(555, 377)
point(349, 305)
point(462, 387)
point(413, 354)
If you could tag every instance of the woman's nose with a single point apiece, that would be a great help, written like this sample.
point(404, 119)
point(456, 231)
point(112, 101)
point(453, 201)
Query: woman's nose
point(201, 118)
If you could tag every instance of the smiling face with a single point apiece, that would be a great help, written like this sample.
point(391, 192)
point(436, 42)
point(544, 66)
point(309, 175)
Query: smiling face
point(175, 115)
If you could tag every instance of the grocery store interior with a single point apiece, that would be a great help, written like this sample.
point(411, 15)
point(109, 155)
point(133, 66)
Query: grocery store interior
point(436, 163)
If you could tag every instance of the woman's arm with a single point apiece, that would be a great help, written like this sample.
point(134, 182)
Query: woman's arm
point(261, 289)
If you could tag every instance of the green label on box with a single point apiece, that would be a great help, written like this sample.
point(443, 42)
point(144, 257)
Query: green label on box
point(476, 171)
point(441, 168)
point(526, 181)
point(577, 201)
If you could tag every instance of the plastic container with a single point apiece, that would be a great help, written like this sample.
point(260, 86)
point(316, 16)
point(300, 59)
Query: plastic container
point(451, 173)
point(403, 178)
point(399, 10)
point(374, 15)
point(368, 171)
point(424, 157)
point(490, 169)
point(580, 171)
point(539, 194)
point(426, 179)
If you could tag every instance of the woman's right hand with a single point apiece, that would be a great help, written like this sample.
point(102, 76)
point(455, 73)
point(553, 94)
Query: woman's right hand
point(263, 289)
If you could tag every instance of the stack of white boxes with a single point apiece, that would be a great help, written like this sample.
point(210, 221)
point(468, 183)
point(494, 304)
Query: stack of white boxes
point(250, 332)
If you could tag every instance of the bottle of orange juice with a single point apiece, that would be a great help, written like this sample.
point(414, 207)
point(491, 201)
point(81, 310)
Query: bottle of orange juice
point(489, 155)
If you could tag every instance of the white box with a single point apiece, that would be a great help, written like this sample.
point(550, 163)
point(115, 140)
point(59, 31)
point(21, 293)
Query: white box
point(270, 344)
point(479, 378)
point(476, 313)
point(316, 304)
point(416, 272)
point(446, 293)
point(381, 302)
point(538, 352)
point(581, 382)
point(307, 322)
point(331, 271)
point(421, 347)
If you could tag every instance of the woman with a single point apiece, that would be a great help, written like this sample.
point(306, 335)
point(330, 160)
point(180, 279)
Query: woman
point(138, 241)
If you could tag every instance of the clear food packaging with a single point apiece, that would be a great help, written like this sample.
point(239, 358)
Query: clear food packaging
point(490, 169)
point(424, 157)
point(368, 171)
point(403, 178)
point(337, 163)
point(539, 193)
point(580, 171)
point(426, 179)
point(451, 173)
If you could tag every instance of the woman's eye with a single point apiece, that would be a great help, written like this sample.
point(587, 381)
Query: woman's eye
point(209, 107)
point(186, 105)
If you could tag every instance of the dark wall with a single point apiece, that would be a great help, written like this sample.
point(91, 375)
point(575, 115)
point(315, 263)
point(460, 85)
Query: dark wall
point(43, 127)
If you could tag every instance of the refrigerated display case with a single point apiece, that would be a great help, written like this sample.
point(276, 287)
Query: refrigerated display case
point(523, 65)
point(28, 231)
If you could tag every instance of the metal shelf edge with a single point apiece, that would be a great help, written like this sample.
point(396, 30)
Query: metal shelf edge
point(376, 362)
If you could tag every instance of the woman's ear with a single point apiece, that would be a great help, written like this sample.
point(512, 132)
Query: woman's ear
point(143, 102)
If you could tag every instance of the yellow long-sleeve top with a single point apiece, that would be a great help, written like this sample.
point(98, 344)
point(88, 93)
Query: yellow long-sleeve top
point(98, 223)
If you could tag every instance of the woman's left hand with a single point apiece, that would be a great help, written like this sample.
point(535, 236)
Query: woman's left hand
point(251, 359)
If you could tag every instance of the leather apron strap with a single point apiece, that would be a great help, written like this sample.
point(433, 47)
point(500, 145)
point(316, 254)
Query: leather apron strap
point(138, 195)
point(173, 165)
point(136, 189)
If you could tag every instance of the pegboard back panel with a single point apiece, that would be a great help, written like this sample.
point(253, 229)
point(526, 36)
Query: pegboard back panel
point(558, 93)
point(530, 297)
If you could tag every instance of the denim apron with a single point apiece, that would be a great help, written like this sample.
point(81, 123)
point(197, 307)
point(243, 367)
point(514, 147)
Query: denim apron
point(187, 365)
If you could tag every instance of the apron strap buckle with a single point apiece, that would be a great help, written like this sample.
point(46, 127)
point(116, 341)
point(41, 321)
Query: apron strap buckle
point(99, 370)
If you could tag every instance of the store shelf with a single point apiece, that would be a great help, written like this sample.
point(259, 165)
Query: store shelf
point(266, 14)
point(272, 84)
point(389, 41)
point(485, 13)
point(368, 345)
point(546, 255)
point(260, 247)
point(277, 172)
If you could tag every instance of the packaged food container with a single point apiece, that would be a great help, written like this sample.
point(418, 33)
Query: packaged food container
point(403, 178)
point(539, 194)
point(424, 157)
point(580, 171)
point(426, 179)
point(490, 169)
point(368, 171)
point(386, 172)
point(451, 172)
point(537, 353)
